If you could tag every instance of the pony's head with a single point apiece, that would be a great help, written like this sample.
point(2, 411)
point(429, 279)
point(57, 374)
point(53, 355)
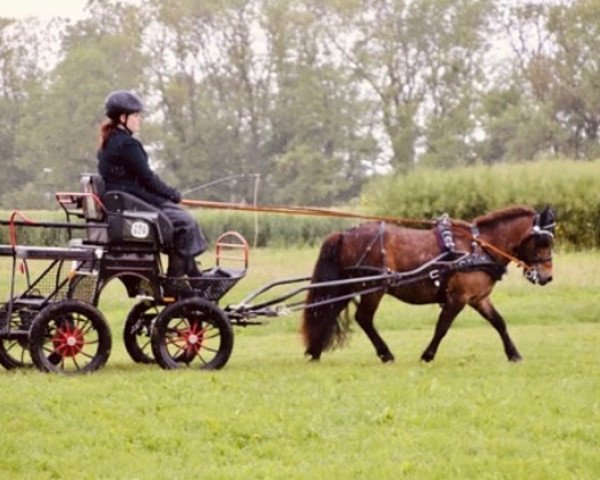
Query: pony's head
point(536, 248)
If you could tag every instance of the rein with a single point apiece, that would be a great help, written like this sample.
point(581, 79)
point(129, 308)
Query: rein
point(300, 210)
point(511, 258)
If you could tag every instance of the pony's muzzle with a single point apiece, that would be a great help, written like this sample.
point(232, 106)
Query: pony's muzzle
point(533, 275)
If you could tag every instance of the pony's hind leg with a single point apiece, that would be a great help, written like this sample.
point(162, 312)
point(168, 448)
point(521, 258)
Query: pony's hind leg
point(364, 317)
point(449, 312)
point(487, 311)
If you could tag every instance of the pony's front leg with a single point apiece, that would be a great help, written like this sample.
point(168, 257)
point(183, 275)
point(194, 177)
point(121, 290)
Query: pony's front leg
point(449, 312)
point(365, 312)
point(487, 311)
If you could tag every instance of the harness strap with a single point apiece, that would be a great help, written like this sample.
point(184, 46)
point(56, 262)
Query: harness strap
point(379, 236)
point(444, 233)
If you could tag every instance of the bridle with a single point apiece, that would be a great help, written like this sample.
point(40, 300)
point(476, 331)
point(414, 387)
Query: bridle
point(542, 232)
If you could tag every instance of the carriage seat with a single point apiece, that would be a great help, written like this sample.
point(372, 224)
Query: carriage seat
point(131, 221)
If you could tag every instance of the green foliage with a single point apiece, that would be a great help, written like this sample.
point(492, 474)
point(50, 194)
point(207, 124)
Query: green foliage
point(313, 96)
point(571, 187)
point(412, 58)
point(57, 132)
point(19, 72)
point(555, 80)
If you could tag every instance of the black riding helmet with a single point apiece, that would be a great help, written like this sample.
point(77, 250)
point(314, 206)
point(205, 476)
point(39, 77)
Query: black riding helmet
point(122, 102)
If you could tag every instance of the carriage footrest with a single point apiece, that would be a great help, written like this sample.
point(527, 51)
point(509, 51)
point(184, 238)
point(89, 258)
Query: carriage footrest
point(215, 283)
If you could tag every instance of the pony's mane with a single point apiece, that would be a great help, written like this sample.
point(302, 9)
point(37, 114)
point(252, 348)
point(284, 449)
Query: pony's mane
point(503, 214)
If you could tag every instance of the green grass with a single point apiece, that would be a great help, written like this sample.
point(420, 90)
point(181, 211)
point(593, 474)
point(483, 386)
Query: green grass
point(270, 414)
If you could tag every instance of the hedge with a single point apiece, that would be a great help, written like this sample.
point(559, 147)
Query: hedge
point(259, 229)
point(571, 187)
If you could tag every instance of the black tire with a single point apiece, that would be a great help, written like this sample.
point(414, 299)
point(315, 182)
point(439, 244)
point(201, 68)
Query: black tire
point(14, 350)
point(137, 331)
point(14, 353)
point(69, 337)
point(194, 333)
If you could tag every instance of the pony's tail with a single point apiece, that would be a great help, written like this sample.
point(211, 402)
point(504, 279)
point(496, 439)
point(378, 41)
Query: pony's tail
point(322, 329)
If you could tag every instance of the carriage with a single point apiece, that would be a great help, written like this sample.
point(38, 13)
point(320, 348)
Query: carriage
point(51, 317)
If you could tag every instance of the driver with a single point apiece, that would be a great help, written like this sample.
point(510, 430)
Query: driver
point(123, 164)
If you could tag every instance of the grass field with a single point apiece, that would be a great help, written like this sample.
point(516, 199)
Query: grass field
point(270, 414)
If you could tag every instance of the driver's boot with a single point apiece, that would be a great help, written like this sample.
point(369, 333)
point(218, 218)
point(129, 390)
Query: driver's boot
point(193, 272)
point(176, 284)
point(192, 269)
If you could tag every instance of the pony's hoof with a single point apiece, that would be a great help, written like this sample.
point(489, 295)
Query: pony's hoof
point(516, 358)
point(427, 357)
point(312, 358)
point(386, 357)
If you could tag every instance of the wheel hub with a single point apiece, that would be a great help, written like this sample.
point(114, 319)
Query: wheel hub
point(68, 341)
point(193, 339)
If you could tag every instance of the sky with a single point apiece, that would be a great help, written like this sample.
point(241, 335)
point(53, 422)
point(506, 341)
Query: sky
point(42, 9)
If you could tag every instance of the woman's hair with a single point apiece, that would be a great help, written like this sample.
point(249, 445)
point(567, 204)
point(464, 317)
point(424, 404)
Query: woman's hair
point(107, 127)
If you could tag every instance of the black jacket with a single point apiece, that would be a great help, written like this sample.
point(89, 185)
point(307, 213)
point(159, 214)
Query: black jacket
point(123, 164)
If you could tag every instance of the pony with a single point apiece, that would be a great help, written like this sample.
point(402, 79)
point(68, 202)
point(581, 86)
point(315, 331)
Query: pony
point(454, 263)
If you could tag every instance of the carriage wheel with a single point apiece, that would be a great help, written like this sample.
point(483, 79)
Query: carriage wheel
point(69, 337)
point(14, 350)
point(138, 330)
point(192, 332)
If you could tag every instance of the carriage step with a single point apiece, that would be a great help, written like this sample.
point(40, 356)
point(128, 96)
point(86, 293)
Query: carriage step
point(47, 253)
point(30, 302)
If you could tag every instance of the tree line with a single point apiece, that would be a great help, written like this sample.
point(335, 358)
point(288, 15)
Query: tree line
point(314, 96)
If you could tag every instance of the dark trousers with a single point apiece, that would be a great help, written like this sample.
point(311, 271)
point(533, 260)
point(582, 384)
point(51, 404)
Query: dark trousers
point(188, 239)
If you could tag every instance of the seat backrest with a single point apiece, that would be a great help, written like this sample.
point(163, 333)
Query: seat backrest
point(93, 184)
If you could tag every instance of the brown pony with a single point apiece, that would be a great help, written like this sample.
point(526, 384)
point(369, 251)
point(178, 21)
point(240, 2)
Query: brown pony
point(473, 257)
